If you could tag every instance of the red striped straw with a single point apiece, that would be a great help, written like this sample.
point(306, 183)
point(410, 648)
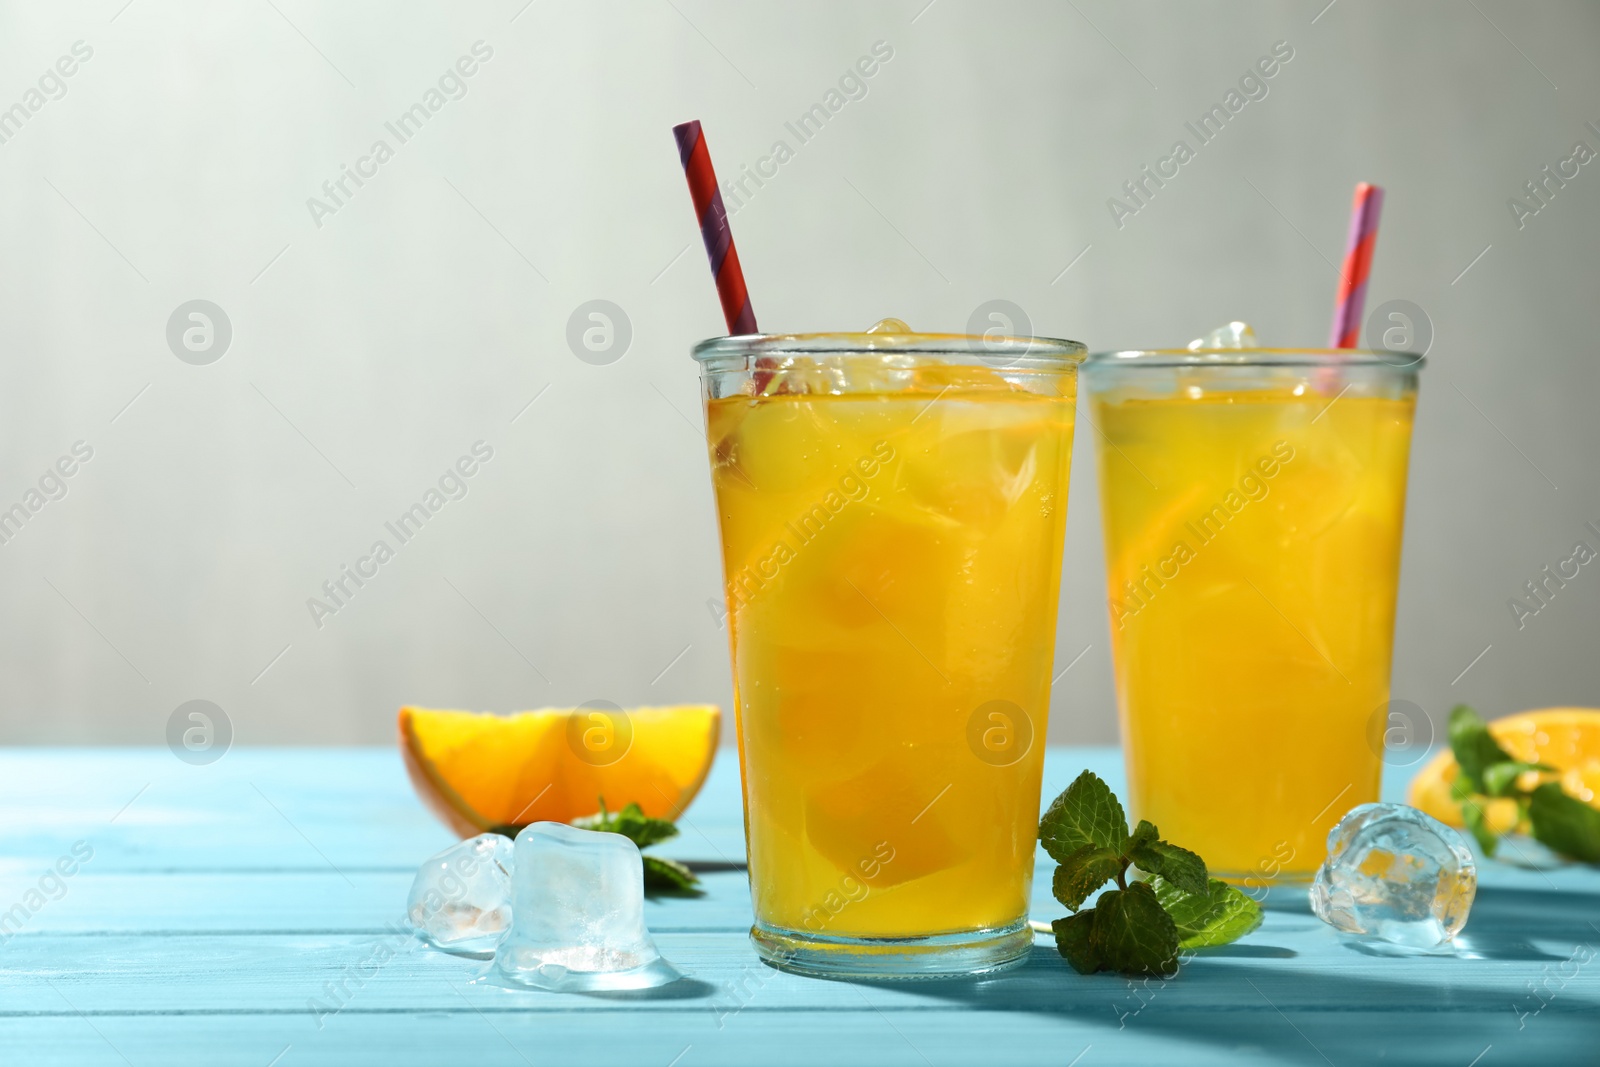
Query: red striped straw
point(1352, 296)
point(714, 228)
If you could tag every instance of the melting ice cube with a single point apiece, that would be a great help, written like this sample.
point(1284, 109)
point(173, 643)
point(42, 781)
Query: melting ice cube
point(1395, 875)
point(578, 921)
point(1233, 335)
point(461, 897)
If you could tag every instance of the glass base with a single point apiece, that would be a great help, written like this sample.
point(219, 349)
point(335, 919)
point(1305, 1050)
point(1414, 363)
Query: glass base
point(959, 955)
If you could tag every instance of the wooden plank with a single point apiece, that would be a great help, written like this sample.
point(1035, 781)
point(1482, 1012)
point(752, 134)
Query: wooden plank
point(283, 840)
point(364, 903)
point(326, 845)
point(229, 901)
point(261, 809)
point(316, 900)
point(1294, 962)
point(141, 810)
point(84, 786)
point(621, 1037)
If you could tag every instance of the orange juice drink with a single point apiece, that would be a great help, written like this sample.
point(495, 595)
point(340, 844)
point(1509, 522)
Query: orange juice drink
point(892, 509)
point(1252, 502)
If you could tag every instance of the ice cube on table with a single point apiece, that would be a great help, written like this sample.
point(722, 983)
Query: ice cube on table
point(1233, 335)
point(1395, 875)
point(461, 898)
point(578, 917)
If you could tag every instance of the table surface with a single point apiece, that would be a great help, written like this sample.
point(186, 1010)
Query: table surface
point(249, 912)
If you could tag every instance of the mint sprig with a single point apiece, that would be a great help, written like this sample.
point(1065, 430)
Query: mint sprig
point(643, 830)
point(1139, 927)
point(1555, 818)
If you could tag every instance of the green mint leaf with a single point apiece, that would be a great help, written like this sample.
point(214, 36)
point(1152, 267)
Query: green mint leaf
point(1219, 915)
point(1474, 746)
point(1086, 813)
point(630, 822)
point(1143, 834)
point(641, 829)
point(1476, 822)
point(1177, 865)
point(1564, 823)
point(1074, 935)
point(669, 875)
point(1500, 779)
point(1083, 872)
point(1133, 933)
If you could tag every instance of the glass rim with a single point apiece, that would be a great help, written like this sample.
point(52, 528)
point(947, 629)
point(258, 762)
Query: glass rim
point(1048, 351)
point(1255, 357)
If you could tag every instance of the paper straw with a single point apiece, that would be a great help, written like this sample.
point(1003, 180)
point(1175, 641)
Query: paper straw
point(714, 229)
point(1352, 295)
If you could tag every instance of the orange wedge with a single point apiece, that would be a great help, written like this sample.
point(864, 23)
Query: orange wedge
point(1568, 739)
point(478, 771)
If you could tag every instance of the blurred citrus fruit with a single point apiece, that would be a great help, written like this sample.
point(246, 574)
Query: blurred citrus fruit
point(478, 771)
point(1568, 739)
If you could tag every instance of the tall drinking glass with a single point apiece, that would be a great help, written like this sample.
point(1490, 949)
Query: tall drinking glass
point(1253, 502)
point(891, 508)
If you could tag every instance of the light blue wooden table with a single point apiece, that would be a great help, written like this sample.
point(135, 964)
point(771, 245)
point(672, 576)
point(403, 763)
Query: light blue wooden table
point(249, 913)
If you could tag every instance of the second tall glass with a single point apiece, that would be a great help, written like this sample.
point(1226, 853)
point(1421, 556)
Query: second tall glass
point(1253, 503)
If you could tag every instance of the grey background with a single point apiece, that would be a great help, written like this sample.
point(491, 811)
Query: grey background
point(370, 352)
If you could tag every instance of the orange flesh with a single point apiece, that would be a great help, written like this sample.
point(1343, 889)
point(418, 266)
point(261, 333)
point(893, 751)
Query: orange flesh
point(481, 771)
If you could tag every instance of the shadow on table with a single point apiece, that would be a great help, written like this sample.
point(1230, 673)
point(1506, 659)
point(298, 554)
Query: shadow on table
point(1348, 1009)
point(1297, 1015)
point(682, 989)
point(1506, 922)
point(1248, 951)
